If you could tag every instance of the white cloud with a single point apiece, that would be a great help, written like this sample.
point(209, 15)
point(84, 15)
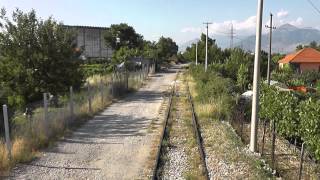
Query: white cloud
point(245, 26)
point(282, 13)
point(191, 29)
point(297, 22)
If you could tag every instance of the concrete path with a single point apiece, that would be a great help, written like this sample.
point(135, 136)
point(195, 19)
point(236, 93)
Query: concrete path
point(116, 144)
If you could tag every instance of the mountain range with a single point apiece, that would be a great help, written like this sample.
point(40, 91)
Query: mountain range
point(285, 39)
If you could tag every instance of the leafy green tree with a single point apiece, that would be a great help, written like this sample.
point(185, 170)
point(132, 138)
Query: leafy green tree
point(126, 36)
point(166, 48)
point(242, 77)
point(149, 50)
point(215, 54)
point(36, 56)
point(234, 61)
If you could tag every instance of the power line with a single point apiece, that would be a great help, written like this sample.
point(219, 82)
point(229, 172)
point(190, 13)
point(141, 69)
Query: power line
point(232, 35)
point(207, 26)
point(314, 6)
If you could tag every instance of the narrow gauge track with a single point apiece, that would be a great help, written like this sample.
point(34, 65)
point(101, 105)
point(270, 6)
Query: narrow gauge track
point(196, 134)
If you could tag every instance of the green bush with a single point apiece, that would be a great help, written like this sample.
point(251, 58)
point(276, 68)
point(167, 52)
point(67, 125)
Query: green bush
point(212, 87)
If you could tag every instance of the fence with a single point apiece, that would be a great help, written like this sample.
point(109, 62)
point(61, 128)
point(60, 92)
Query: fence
point(54, 115)
point(291, 160)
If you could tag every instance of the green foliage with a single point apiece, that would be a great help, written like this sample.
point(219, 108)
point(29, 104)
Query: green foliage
point(92, 69)
point(126, 34)
point(312, 44)
point(295, 118)
point(242, 77)
point(215, 54)
point(36, 56)
point(149, 50)
point(237, 58)
point(309, 115)
point(210, 87)
point(166, 48)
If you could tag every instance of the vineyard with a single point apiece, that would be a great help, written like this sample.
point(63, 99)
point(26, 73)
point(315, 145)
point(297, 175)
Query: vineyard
point(295, 115)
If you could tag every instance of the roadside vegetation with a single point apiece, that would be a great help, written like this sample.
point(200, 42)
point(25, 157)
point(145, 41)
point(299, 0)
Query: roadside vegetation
point(217, 95)
point(41, 56)
point(214, 101)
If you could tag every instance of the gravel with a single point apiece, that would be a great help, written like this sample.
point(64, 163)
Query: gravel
point(115, 144)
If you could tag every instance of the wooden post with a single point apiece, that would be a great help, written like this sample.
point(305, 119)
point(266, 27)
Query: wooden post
point(89, 99)
point(301, 161)
point(71, 103)
point(45, 113)
point(102, 93)
point(6, 129)
point(263, 136)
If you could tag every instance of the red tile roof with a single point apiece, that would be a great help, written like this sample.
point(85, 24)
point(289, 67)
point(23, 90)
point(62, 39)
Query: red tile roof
point(306, 55)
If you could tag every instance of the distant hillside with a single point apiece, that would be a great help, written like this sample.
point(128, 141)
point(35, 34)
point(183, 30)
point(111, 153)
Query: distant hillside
point(222, 41)
point(285, 39)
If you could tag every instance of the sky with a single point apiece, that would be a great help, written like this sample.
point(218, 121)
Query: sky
point(181, 20)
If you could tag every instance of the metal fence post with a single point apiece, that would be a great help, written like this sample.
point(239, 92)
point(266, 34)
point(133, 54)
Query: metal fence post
point(71, 103)
point(301, 160)
point(89, 99)
point(45, 112)
point(6, 128)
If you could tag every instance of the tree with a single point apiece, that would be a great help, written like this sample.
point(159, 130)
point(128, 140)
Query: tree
point(215, 54)
point(36, 56)
point(126, 34)
point(149, 50)
point(235, 60)
point(242, 77)
point(166, 48)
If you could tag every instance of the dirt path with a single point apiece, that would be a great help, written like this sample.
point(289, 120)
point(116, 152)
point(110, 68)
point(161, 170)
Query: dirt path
point(115, 144)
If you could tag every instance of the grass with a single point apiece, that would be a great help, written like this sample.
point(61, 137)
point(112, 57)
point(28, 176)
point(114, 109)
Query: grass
point(223, 145)
point(30, 136)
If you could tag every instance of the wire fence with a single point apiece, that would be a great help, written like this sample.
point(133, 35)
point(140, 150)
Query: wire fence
point(51, 117)
point(290, 160)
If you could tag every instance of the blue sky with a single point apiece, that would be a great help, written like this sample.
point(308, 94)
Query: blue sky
point(179, 19)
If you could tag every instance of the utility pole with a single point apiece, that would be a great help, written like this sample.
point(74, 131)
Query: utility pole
point(206, 63)
point(256, 79)
point(232, 34)
point(271, 27)
point(196, 53)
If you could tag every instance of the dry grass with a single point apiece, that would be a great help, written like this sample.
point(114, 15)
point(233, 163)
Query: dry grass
point(4, 159)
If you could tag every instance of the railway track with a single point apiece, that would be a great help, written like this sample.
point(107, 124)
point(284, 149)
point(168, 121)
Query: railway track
point(180, 154)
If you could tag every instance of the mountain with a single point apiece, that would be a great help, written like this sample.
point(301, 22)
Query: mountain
point(285, 39)
point(222, 41)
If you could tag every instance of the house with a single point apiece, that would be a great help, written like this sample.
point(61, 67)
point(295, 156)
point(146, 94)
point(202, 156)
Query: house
point(307, 59)
point(91, 40)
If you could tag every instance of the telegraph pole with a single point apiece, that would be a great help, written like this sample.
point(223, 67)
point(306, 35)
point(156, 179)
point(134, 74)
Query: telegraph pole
point(256, 79)
point(231, 36)
point(271, 27)
point(196, 53)
point(206, 63)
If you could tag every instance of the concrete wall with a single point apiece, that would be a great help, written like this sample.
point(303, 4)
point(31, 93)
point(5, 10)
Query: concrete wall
point(309, 67)
point(92, 40)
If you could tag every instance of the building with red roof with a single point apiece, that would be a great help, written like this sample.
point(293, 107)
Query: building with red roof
point(307, 59)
